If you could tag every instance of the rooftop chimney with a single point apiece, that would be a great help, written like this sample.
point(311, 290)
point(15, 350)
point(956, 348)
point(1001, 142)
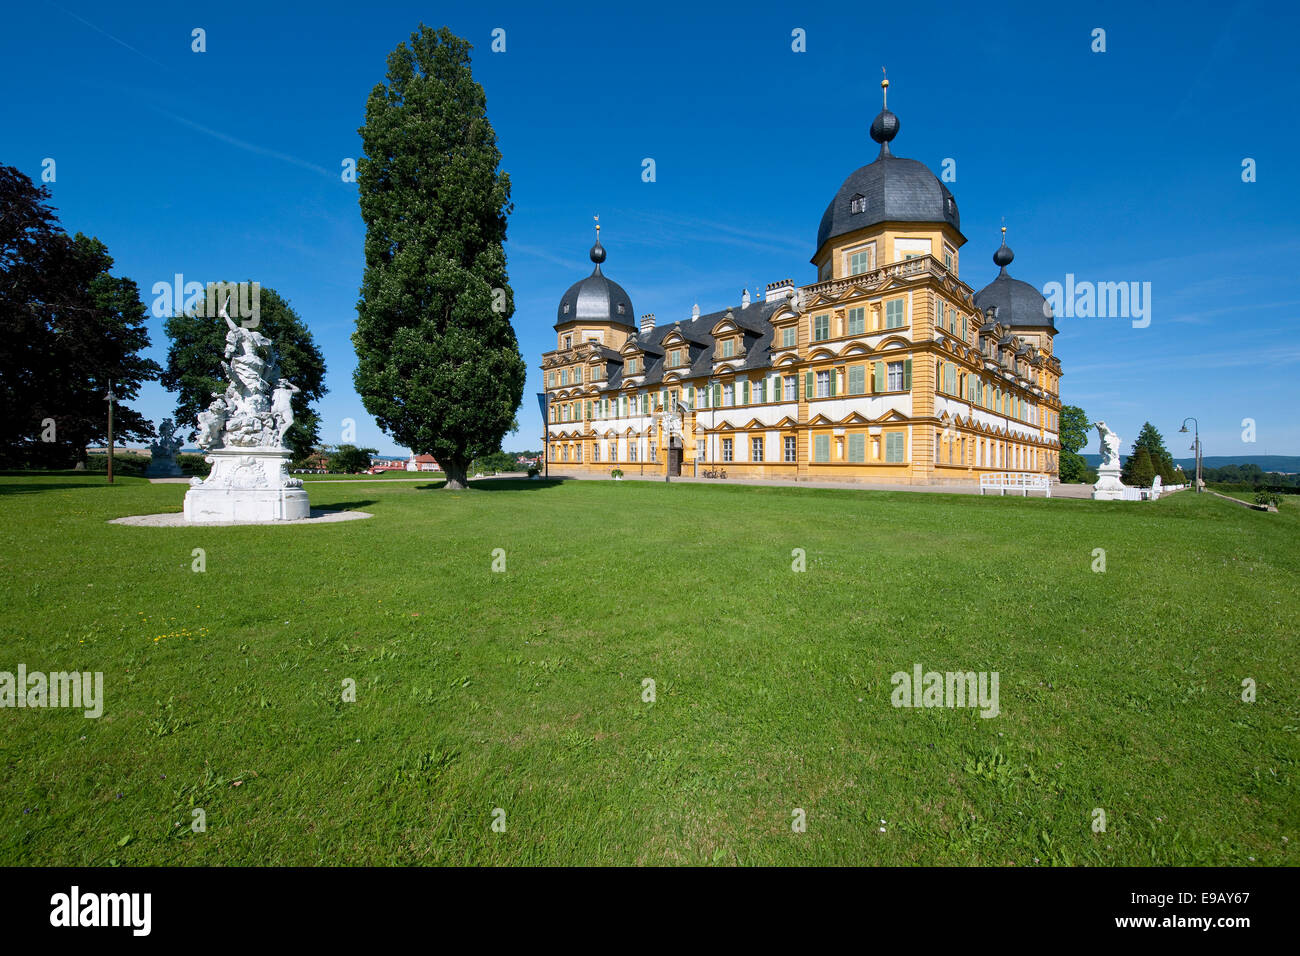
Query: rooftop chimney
point(780, 290)
point(647, 323)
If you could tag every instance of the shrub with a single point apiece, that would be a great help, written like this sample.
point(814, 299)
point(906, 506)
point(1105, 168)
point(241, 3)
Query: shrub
point(193, 465)
point(616, 473)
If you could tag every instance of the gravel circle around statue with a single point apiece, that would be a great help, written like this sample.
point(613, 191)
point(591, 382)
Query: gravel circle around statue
point(176, 519)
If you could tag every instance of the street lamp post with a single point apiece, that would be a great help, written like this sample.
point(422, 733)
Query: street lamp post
point(110, 398)
point(1196, 446)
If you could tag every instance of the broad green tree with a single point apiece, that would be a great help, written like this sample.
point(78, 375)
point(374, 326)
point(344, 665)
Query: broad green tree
point(351, 460)
point(438, 362)
point(198, 344)
point(67, 327)
point(1074, 437)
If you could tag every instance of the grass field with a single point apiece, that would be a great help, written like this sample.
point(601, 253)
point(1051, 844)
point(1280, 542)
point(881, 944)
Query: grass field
point(522, 690)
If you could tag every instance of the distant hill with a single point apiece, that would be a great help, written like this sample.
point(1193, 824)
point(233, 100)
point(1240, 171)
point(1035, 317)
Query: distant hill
point(1287, 464)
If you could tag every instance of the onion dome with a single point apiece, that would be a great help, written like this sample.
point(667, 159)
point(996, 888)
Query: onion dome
point(890, 189)
point(596, 298)
point(1019, 304)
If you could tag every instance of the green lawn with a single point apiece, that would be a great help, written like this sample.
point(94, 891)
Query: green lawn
point(522, 690)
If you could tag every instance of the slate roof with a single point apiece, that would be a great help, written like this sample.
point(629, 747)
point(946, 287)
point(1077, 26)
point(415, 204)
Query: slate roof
point(1019, 304)
point(596, 298)
point(698, 333)
point(892, 189)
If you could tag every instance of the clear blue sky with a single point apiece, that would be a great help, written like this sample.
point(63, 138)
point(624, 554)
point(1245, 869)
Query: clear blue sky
point(1115, 166)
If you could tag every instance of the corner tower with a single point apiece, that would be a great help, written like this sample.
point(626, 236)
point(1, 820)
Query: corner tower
point(887, 211)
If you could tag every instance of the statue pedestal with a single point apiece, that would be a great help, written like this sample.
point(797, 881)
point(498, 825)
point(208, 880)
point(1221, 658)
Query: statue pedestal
point(248, 486)
point(1108, 486)
point(163, 468)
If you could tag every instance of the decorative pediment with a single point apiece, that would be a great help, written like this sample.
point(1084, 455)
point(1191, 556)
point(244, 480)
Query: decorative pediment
point(891, 415)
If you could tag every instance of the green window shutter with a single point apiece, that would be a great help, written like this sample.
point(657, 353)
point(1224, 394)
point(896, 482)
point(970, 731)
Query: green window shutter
point(907, 374)
point(746, 391)
point(833, 377)
point(880, 376)
point(808, 385)
point(663, 398)
point(717, 395)
point(857, 383)
point(762, 391)
point(822, 448)
point(858, 447)
point(691, 392)
point(963, 327)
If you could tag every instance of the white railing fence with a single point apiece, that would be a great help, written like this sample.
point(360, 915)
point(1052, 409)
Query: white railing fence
point(1023, 482)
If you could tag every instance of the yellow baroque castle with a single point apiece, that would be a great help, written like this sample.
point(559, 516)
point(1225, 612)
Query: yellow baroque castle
point(887, 368)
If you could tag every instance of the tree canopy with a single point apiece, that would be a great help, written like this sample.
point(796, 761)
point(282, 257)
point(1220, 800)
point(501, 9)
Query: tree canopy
point(68, 327)
point(198, 344)
point(1074, 428)
point(1162, 463)
point(351, 460)
point(438, 362)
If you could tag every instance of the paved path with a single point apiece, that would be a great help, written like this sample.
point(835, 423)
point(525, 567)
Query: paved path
point(963, 488)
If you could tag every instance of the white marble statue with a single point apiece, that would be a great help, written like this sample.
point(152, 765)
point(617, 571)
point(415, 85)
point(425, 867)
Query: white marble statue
point(243, 433)
point(1108, 486)
point(1110, 445)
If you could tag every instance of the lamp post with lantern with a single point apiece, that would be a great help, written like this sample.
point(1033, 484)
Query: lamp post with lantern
point(1196, 446)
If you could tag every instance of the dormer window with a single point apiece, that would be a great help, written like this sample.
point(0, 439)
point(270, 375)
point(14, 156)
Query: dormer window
point(858, 204)
point(568, 341)
point(566, 308)
point(631, 366)
point(728, 348)
point(621, 308)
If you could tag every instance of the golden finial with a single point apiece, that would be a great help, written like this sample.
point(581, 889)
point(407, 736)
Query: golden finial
point(884, 88)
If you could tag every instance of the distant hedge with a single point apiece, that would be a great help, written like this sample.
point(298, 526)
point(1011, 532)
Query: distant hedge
point(1241, 486)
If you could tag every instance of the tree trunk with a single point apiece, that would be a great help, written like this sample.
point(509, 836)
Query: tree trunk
point(455, 472)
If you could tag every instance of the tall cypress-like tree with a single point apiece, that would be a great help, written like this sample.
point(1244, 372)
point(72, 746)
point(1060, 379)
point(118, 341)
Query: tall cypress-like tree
point(1162, 463)
point(439, 365)
point(1141, 472)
